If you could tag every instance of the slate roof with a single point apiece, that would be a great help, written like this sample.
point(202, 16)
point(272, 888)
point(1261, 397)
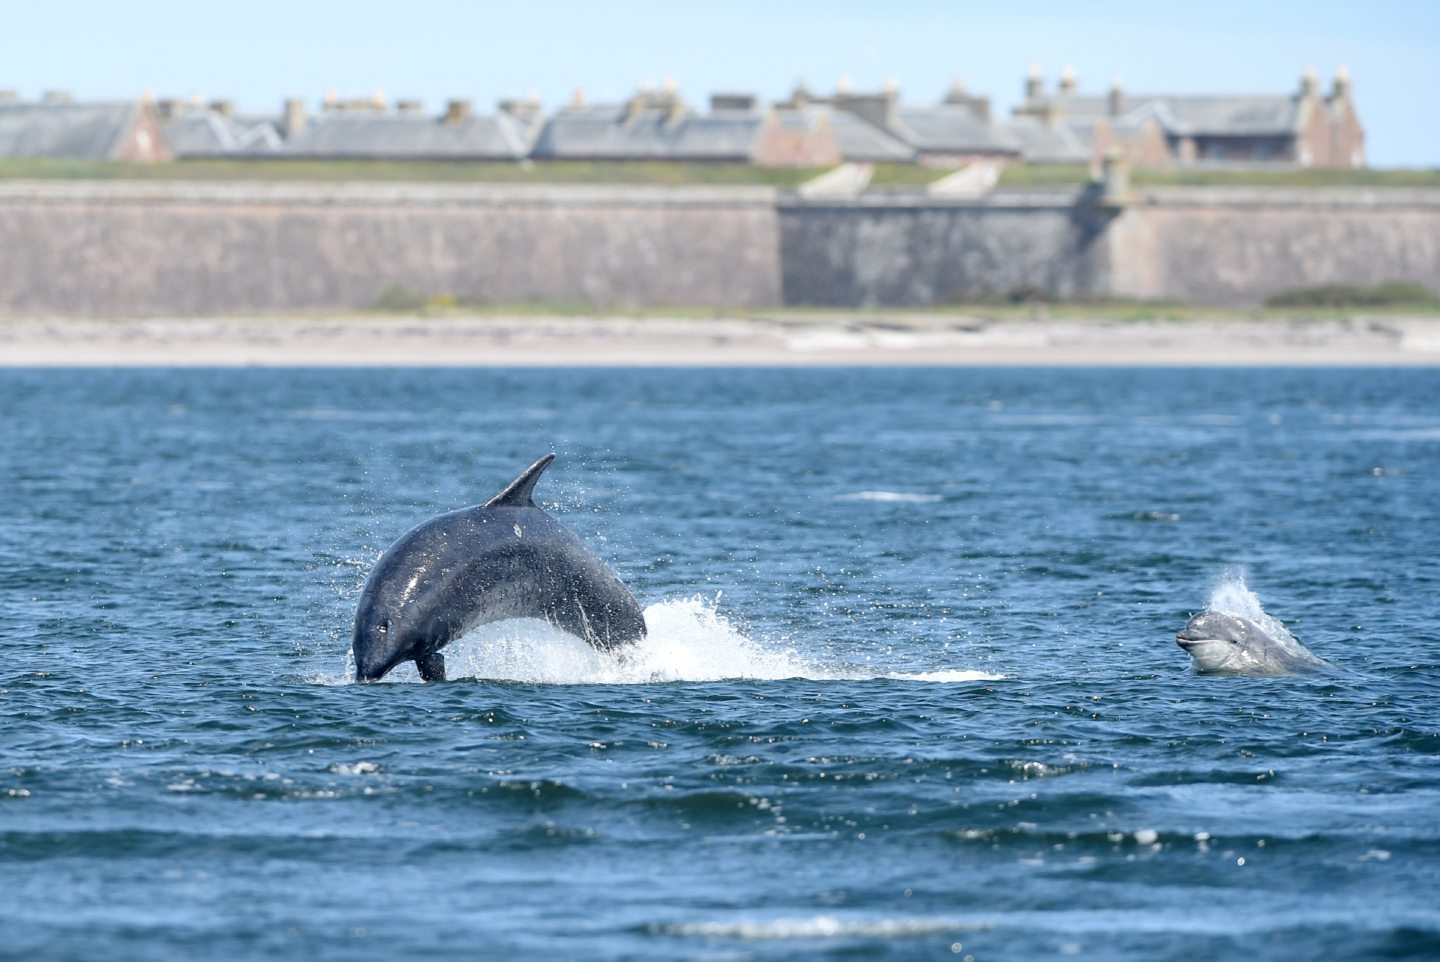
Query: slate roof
point(608, 132)
point(949, 129)
point(1262, 115)
point(859, 142)
point(207, 133)
point(80, 131)
point(398, 136)
point(1039, 142)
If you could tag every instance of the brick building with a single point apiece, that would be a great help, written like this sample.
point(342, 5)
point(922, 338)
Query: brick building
point(660, 126)
point(1306, 128)
point(55, 126)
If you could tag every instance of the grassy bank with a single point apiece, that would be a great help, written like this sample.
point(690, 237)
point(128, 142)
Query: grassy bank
point(886, 176)
point(400, 300)
point(1027, 175)
point(414, 171)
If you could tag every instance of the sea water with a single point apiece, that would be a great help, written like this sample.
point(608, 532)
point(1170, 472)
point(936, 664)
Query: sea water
point(911, 688)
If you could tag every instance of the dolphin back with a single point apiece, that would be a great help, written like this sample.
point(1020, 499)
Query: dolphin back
point(504, 559)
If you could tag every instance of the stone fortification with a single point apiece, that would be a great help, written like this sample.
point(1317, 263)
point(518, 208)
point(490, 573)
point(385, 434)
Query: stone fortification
point(176, 248)
point(1237, 246)
point(98, 248)
point(913, 250)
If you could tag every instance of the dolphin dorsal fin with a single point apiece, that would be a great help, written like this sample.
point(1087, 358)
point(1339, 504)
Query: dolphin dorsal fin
point(517, 493)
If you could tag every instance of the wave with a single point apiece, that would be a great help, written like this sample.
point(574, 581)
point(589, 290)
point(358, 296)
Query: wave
point(821, 927)
point(891, 496)
point(689, 640)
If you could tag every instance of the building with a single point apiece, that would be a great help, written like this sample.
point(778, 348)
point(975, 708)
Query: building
point(953, 133)
point(368, 130)
point(660, 126)
point(199, 131)
point(1064, 126)
point(57, 127)
point(1304, 129)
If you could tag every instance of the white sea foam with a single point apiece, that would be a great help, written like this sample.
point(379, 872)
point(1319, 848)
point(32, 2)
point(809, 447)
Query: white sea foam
point(689, 639)
point(824, 927)
point(900, 496)
point(945, 676)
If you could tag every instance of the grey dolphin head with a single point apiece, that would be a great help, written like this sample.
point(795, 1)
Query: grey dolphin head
point(383, 638)
point(503, 559)
point(1222, 643)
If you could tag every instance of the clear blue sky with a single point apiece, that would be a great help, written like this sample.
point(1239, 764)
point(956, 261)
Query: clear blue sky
point(261, 51)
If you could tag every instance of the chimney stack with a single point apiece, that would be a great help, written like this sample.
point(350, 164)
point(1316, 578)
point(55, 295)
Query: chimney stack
point(1034, 84)
point(960, 97)
point(1068, 81)
point(1114, 178)
point(294, 118)
point(670, 101)
point(225, 108)
point(732, 103)
point(1117, 97)
point(1341, 89)
point(457, 110)
point(1309, 84)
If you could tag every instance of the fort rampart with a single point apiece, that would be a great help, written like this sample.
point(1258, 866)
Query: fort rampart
point(97, 248)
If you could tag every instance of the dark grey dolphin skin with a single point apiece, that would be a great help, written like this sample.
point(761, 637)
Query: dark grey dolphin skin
point(1224, 644)
point(503, 559)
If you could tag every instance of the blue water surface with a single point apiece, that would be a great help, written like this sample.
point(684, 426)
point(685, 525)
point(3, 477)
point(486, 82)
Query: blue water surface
point(911, 690)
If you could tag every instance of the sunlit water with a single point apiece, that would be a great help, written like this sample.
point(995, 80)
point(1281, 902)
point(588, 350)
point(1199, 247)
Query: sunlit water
point(911, 687)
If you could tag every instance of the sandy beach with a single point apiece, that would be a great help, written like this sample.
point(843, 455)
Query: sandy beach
point(854, 338)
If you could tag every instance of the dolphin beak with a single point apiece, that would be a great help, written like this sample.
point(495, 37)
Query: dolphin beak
point(1189, 635)
point(370, 671)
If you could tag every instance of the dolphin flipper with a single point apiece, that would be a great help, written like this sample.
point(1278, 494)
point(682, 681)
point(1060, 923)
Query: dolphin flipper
point(432, 666)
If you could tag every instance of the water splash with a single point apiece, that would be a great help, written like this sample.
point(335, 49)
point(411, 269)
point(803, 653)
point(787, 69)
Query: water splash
point(689, 639)
point(1232, 596)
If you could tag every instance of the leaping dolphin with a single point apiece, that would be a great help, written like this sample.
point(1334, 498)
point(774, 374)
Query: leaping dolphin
point(1226, 644)
point(503, 559)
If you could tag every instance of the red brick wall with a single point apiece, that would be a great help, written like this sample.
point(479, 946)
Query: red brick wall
point(778, 147)
point(1312, 145)
point(144, 142)
point(1347, 137)
point(1144, 148)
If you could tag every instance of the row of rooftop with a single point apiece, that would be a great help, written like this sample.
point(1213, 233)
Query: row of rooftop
point(1305, 127)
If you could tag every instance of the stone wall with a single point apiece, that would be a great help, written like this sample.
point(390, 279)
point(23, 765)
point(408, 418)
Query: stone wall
point(1238, 246)
point(95, 248)
point(913, 250)
point(175, 248)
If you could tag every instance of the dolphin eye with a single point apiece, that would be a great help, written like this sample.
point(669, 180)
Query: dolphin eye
point(383, 629)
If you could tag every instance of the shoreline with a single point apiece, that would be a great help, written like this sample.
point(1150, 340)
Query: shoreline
point(878, 338)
